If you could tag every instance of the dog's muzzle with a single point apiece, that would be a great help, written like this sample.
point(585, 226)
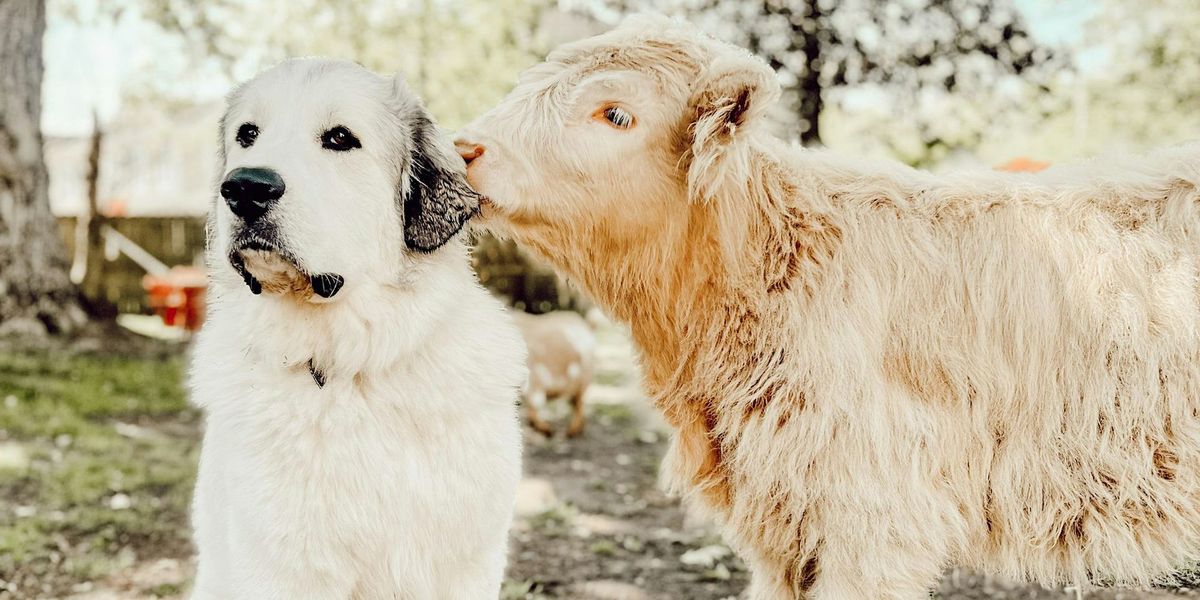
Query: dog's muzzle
point(263, 264)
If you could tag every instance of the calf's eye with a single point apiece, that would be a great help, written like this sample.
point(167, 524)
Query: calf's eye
point(339, 139)
point(617, 117)
point(246, 134)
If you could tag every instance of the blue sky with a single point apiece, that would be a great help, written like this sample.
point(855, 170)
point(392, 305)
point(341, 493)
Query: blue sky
point(86, 67)
point(1058, 21)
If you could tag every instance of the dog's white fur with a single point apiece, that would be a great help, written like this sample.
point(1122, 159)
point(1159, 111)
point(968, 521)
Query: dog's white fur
point(396, 479)
point(873, 372)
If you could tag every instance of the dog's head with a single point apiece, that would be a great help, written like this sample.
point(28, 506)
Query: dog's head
point(331, 176)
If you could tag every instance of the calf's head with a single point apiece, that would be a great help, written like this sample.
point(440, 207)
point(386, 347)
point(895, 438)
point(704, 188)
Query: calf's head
point(619, 139)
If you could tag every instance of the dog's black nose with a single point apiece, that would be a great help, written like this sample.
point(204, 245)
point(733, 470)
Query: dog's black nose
point(250, 192)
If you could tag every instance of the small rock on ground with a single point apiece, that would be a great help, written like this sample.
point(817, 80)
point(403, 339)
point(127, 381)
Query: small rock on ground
point(607, 590)
point(534, 496)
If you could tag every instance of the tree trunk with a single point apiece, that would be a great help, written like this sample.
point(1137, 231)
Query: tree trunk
point(812, 99)
point(805, 101)
point(36, 293)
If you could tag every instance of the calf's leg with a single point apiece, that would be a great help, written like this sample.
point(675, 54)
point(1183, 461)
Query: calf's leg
point(884, 557)
point(577, 418)
point(534, 400)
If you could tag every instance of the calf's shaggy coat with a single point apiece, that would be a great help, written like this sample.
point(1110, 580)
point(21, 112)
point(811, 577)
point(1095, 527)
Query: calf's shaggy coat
point(872, 372)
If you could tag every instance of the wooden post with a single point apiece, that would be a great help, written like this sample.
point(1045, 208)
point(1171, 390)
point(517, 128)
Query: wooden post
point(90, 224)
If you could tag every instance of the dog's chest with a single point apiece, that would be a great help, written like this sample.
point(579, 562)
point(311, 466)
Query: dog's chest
point(361, 464)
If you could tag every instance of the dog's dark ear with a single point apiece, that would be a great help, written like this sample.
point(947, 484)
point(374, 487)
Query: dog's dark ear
point(439, 201)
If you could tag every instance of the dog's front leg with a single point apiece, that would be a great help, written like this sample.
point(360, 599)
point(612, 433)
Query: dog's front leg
point(258, 587)
point(274, 579)
point(477, 577)
point(254, 569)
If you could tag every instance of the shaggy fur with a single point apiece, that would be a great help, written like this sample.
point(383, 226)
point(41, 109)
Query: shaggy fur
point(873, 373)
point(364, 446)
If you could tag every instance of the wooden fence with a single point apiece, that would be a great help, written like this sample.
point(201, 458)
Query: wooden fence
point(173, 240)
point(522, 281)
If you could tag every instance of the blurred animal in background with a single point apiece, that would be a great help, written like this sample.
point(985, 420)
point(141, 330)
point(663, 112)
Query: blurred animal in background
point(562, 348)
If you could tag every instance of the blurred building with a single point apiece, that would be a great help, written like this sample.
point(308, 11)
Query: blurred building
point(153, 162)
point(156, 171)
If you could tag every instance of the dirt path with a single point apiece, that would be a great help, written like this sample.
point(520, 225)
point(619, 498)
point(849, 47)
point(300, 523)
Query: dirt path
point(593, 524)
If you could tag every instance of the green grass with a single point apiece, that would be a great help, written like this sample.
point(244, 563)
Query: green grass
point(91, 427)
point(165, 590)
point(521, 590)
point(603, 547)
point(554, 522)
point(71, 394)
point(614, 414)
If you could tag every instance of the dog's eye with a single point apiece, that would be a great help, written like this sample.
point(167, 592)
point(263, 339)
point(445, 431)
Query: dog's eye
point(246, 134)
point(617, 117)
point(340, 139)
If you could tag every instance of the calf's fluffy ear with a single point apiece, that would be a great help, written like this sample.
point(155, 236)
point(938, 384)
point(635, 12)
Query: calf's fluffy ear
point(729, 102)
point(439, 200)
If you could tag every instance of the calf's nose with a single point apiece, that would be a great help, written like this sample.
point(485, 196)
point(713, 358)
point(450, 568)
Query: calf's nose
point(468, 150)
point(251, 191)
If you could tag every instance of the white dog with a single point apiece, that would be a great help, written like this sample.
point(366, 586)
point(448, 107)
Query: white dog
point(362, 439)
